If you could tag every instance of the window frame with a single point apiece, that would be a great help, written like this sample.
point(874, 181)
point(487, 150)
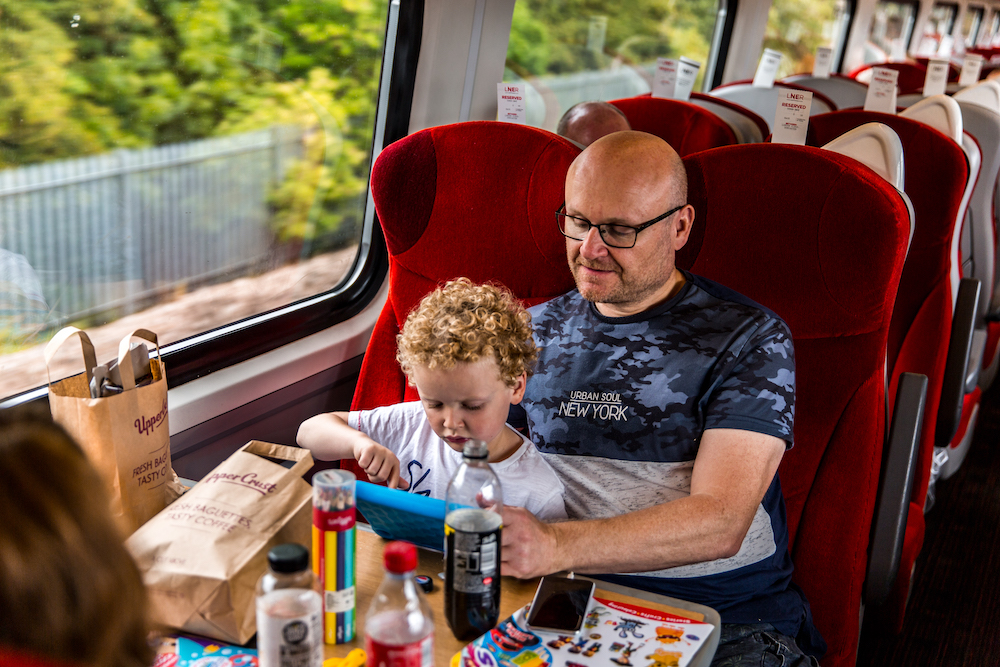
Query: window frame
point(952, 20)
point(233, 343)
point(979, 11)
point(722, 37)
point(841, 52)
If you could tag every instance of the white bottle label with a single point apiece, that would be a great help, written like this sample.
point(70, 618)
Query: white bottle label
point(290, 629)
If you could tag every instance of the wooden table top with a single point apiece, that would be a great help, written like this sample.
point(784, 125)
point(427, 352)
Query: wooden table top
point(515, 593)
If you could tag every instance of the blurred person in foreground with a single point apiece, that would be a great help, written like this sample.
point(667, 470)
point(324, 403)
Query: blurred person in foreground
point(586, 122)
point(69, 590)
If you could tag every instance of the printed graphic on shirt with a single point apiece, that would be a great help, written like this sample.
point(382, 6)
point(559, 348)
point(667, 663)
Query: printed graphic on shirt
point(606, 406)
point(648, 388)
point(416, 476)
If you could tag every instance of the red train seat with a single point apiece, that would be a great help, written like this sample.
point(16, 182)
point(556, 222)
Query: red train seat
point(921, 329)
point(686, 127)
point(471, 199)
point(777, 223)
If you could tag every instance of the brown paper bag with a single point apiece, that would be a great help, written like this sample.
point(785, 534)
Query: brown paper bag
point(127, 436)
point(202, 556)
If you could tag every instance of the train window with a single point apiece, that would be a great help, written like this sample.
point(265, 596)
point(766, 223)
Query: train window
point(797, 28)
point(986, 35)
point(937, 29)
point(573, 51)
point(971, 23)
point(890, 31)
point(177, 166)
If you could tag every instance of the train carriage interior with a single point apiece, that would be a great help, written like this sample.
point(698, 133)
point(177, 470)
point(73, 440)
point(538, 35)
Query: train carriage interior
point(271, 185)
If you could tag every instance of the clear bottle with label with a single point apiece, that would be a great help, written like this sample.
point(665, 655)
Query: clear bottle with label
point(472, 525)
point(399, 627)
point(289, 611)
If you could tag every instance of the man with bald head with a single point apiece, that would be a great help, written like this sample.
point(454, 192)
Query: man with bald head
point(665, 402)
point(586, 122)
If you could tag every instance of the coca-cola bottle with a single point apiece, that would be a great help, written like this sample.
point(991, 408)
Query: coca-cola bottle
point(399, 627)
point(472, 525)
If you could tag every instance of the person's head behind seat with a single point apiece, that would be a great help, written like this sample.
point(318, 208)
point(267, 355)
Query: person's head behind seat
point(69, 590)
point(632, 182)
point(586, 122)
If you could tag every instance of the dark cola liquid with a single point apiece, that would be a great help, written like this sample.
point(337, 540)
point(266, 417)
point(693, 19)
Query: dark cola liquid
point(472, 571)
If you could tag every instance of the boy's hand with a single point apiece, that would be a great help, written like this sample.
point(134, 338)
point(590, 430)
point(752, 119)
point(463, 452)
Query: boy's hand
point(380, 464)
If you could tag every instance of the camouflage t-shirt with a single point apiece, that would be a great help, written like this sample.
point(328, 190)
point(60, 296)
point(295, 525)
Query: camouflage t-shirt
point(618, 405)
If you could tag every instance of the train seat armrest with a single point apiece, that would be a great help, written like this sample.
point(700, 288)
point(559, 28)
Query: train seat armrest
point(959, 351)
point(896, 480)
point(975, 359)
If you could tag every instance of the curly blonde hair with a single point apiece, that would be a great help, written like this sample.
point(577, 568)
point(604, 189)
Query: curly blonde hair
point(462, 322)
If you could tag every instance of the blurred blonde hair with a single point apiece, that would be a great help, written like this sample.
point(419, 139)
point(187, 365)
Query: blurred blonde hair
point(69, 590)
point(462, 322)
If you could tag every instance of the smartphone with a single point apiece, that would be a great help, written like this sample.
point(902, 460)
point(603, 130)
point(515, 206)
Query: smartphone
point(560, 604)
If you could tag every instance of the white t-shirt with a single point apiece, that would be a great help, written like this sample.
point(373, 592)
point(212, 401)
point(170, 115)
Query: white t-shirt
point(428, 463)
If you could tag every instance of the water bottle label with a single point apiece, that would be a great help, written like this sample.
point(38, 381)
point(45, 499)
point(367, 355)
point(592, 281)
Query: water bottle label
point(417, 654)
point(291, 642)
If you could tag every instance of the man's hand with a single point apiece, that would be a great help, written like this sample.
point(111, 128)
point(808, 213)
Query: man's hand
point(529, 546)
point(379, 463)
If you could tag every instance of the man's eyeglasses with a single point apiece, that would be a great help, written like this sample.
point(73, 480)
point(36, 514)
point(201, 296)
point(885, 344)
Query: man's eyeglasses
point(613, 235)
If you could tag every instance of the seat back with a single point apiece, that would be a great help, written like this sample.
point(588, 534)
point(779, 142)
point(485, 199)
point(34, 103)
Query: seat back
point(748, 126)
point(764, 101)
point(844, 91)
point(877, 147)
point(985, 94)
point(471, 199)
point(980, 106)
point(911, 75)
point(777, 223)
point(936, 175)
point(945, 115)
point(688, 128)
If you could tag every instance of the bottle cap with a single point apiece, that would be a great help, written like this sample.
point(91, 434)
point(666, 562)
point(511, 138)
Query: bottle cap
point(425, 582)
point(400, 557)
point(288, 558)
point(476, 449)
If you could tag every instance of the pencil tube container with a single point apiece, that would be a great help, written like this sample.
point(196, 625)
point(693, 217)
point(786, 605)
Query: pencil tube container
point(333, 552)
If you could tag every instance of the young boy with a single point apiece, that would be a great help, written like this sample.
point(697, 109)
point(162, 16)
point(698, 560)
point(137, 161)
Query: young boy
point(468, 349)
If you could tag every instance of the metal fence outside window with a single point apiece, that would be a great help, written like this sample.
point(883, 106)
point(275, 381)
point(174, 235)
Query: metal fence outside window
point(118, 231)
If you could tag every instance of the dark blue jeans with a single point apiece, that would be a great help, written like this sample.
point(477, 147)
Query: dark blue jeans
point(758, 645)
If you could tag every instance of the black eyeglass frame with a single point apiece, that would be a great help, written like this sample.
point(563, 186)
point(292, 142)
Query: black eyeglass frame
point(604, 225)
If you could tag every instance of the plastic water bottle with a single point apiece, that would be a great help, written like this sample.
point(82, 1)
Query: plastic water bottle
point(289, 611)
point(399, 627)
point(472, 525)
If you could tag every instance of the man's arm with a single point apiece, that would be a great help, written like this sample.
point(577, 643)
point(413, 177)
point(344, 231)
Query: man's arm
point(732, 472)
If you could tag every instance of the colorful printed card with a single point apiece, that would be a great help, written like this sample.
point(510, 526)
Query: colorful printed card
point(189, 651)
point(614, 634)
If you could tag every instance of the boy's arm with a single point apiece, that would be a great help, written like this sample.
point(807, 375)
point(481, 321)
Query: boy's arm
point(329, 438)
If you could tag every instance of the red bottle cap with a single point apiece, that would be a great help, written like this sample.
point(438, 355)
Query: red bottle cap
point(400, 557)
